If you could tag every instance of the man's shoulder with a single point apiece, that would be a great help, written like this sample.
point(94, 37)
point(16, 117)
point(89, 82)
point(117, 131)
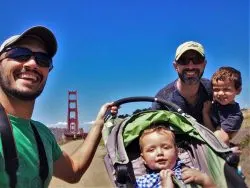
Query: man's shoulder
point(45, 132)
point(167, 90)
point(207, 87)
point(165, 93)
point(41, 127)
point(205, 80)
point(206, 83)
point(38, 123)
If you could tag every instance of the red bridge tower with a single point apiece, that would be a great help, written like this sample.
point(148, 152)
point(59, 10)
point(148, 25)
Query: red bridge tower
point(73, 129)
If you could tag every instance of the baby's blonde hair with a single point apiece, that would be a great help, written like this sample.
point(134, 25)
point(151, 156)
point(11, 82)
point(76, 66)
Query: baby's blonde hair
point(160, 129)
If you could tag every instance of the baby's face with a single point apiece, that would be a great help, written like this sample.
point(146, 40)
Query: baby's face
point(224, 92)
point(158, 151)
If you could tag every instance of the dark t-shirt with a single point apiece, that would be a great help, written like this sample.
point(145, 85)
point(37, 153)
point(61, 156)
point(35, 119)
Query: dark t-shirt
point(170, 93)
point(228, 117)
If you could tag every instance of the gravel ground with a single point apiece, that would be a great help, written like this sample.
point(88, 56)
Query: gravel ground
point(96, 175)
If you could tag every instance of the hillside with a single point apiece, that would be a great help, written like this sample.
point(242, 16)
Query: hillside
point(243, 139)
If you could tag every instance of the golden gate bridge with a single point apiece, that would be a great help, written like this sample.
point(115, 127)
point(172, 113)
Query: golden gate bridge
point(73, 131)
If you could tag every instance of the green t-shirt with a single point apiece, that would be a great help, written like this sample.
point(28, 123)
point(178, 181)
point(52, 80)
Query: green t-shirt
point(27, 151)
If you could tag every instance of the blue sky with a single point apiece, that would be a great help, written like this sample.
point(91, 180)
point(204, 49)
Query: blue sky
point(113, 49)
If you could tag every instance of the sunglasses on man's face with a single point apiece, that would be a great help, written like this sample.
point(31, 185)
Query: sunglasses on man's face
point(196, 60)
point(24, 54)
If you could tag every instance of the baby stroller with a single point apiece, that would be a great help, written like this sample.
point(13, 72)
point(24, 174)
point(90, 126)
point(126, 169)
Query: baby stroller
point(198, 147)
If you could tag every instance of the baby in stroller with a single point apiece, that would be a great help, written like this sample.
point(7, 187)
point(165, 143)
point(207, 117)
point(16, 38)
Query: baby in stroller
point(197, 147)
point(160, 155)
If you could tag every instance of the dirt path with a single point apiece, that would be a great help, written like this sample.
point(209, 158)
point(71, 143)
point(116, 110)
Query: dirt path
point(96, 175)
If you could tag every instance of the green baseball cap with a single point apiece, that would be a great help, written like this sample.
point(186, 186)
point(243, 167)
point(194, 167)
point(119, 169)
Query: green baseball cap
point(190, 45)
point(41, 32)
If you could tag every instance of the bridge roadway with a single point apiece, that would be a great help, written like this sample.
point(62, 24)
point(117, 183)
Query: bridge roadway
point(95, 176)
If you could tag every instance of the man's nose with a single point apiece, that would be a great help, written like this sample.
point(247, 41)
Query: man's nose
point(31, 63)
point(190, 63)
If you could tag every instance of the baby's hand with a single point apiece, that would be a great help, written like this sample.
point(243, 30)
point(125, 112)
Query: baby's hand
point(166, 178)
point(207, 107)
point(191, 175)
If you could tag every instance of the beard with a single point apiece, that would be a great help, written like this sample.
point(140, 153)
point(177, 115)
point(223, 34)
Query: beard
point(190, 80)
point(15, 93)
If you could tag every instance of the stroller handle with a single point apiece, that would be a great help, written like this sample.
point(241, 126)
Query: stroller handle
point(167, 104)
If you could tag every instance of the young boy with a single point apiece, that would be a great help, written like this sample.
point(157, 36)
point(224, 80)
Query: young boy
point(160, 156)
point(224, 116)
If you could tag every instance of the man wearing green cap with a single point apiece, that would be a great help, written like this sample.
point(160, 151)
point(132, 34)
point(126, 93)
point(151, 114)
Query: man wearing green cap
point(189, 91)
point(29, 153)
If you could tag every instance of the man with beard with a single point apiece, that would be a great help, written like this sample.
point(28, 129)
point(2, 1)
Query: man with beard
point(189, 91)
point(25, 62)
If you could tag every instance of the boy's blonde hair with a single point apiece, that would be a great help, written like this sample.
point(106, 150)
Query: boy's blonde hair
point(228, 73)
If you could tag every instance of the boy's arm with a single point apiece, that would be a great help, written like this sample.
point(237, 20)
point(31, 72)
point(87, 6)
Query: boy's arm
point(206, 115)
point(222, 136)
point(66, 168)
point(229, 127)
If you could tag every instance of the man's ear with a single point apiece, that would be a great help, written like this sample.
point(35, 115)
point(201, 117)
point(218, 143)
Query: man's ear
point(205, 62)
point(175, 65)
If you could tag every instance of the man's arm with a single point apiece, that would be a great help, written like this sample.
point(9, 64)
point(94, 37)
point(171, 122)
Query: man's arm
point(68, 170)
point(162, 94)
point(222, 136)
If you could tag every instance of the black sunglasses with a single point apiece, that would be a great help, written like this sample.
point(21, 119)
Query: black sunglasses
point(197, 59)
point(24, 54)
